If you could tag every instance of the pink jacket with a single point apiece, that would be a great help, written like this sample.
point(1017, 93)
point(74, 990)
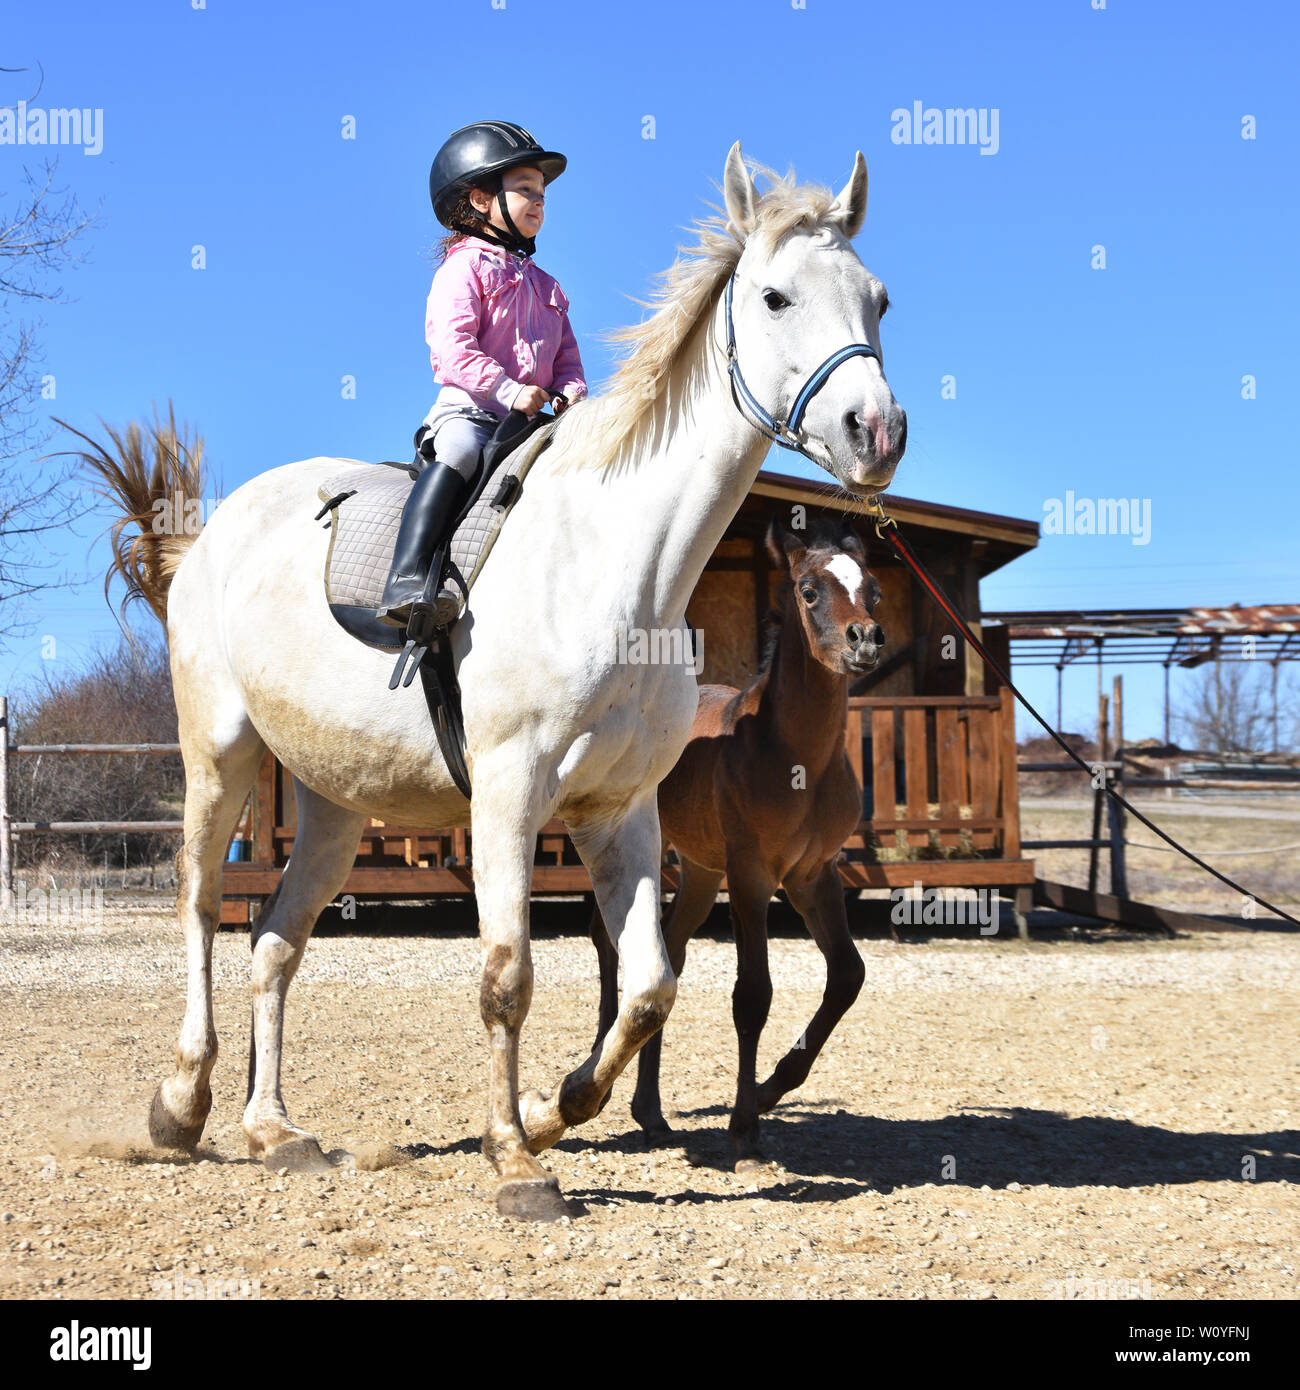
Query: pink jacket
point(496, 323)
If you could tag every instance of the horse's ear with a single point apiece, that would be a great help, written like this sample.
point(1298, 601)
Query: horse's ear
point(785, 548)
point(851, 541)
point(849, 210)
point(738, 190)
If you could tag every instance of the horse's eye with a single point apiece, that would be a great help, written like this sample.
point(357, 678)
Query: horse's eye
point(884, 306)
point(774, 300)
point(809, 595)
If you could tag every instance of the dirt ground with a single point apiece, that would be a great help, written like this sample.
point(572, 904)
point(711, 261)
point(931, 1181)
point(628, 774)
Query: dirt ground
point(1074, 1117)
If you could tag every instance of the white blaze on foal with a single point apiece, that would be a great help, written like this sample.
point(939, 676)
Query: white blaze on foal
point(848, 573)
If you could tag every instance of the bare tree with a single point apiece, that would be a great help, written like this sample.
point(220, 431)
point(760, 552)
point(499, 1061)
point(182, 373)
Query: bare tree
point(39, 228)
point(1229, 710)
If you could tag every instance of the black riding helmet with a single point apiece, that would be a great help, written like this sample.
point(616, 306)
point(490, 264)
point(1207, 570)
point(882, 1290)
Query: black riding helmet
point(481, 153)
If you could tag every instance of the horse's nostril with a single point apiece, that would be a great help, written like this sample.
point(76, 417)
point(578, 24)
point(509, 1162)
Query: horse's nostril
point(877, 637)
point(851, 422)
point(854, 634)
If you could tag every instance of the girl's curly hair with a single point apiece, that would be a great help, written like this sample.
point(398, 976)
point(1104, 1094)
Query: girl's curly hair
point(462, 211)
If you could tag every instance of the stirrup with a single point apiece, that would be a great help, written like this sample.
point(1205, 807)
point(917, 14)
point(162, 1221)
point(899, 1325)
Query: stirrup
point(442, 612)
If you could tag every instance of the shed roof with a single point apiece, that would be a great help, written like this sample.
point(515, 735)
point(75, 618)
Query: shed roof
point(1005, 537)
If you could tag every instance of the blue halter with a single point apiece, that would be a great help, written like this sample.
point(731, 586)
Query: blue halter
point(785, 433)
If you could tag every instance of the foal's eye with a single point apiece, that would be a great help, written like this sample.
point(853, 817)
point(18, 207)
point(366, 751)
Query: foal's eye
point(774, 300)
point(809, 594)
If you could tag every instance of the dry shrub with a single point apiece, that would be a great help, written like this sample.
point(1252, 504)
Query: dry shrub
point(122, 696)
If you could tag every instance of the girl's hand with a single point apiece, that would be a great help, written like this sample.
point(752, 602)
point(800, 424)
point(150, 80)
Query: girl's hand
point(530, 399)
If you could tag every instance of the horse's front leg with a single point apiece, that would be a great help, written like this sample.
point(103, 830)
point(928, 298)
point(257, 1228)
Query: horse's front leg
point(623, 860)
point(505, 822)
point(607, 955)
point(750, 887)
point(690, 910)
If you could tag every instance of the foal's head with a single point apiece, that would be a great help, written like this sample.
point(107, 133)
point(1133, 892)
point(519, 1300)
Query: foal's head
point(833, 592)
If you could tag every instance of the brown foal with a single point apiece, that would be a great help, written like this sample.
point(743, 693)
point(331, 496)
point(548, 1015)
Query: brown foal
point(764, 793)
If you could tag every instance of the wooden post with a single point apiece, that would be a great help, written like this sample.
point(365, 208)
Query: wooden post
point(1010, 777)
point(1093, 853)
point(1117, 720)
point(6, 832)
point(1114, 811)
point(1166, 704)
point(1103, 728)
point(1118, 868)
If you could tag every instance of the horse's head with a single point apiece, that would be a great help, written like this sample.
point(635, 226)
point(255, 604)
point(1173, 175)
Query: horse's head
point(800, 295)
point(833, 591)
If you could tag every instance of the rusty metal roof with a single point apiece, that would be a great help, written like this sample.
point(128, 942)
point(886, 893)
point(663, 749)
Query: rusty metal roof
point(1265, 619)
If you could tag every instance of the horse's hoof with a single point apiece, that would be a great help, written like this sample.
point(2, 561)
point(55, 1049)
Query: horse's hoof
point(298, 1156)
point(167, 1132)
point(660, 1136)
point(754, 1163)
point(536, 1199)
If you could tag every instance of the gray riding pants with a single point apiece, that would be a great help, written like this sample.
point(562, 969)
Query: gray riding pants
point(458, 437)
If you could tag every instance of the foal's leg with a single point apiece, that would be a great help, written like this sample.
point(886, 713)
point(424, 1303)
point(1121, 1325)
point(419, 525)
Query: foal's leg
point(607, 954)
point(623, 860)
point(688, 913)
point(324, 850)
point(820, 902)
point(217, 781)
point(750, 888)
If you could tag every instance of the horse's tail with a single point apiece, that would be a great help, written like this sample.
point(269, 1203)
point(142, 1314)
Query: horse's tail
point(148, 475)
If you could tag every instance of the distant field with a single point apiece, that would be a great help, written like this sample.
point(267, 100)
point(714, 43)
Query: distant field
point(1220, 830)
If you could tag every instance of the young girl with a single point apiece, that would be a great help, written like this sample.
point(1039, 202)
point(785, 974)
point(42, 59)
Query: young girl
point(498, 331)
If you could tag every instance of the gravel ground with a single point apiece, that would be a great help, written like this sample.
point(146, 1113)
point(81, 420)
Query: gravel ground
point(1080, 1117)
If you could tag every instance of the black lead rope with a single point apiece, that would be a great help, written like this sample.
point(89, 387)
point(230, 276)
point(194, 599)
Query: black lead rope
point(887, 529)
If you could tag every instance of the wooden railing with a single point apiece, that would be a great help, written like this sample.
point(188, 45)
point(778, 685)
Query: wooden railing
point(940, 805)
point(940, 790)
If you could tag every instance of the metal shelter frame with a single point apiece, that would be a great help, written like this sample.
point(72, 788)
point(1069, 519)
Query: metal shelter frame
point(1169, 637)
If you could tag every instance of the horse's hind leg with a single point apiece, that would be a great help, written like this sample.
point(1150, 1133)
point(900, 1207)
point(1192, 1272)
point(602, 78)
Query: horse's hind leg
point(689, 911)
point(218, 777)
point(820, 902)
point(324, 849)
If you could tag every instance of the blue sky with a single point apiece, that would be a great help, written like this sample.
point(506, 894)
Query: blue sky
point(1120, 128)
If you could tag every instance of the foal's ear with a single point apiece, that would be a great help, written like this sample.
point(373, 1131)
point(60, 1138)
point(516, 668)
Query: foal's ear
point(785, 547)
point(738, 191)
point(851, 542)
point(849, 210)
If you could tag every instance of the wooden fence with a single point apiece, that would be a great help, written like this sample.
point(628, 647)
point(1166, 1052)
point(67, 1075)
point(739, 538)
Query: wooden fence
point(940, 808)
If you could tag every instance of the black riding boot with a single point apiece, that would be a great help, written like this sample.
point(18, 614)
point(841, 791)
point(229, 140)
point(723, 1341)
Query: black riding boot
point(435, 499)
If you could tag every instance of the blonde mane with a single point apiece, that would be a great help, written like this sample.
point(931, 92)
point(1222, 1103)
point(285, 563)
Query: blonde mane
point(661, 370)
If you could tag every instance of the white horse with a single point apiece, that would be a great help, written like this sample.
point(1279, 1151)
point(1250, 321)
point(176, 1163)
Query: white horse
point(613, 529)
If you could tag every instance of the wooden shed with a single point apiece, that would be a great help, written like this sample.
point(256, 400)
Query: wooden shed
point(930, 734)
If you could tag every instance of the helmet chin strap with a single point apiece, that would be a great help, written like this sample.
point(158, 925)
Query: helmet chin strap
point(513, 240)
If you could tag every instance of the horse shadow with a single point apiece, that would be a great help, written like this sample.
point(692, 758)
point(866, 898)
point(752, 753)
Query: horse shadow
point(830, 1157)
